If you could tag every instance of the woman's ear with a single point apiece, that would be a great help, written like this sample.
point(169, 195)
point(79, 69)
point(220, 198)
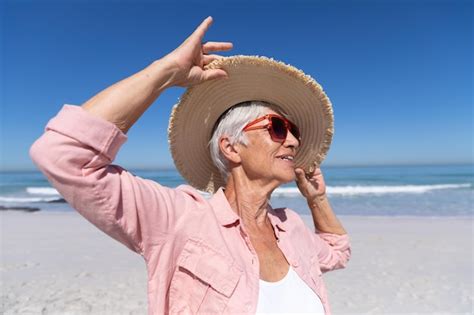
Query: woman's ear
point(229, 150)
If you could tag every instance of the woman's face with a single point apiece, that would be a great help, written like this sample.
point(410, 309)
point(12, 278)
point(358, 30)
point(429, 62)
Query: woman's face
point(267, 160)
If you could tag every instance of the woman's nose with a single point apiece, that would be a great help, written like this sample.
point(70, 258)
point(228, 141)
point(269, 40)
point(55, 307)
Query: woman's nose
point(291, 140)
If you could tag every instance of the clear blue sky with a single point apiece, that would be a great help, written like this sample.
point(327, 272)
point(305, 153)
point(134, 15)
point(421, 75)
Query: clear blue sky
point(399, 73)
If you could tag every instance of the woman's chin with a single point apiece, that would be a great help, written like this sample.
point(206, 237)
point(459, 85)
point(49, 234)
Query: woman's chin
point(287, 178)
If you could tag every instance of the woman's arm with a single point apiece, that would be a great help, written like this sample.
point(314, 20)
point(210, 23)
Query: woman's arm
point(125, 101)
point(324, 218)
point(79, 144)
point(332, 241)
point(332, 238)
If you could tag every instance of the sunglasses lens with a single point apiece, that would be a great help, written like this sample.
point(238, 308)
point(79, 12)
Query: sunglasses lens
point(295, 131)
point(279, 129)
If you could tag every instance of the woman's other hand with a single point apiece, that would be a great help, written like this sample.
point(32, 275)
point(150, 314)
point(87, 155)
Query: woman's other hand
point(313, 189)
point(187, 62)
point(310, 187)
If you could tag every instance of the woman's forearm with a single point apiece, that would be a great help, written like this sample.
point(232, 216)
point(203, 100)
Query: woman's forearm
point(125, 101)
point(324, 218)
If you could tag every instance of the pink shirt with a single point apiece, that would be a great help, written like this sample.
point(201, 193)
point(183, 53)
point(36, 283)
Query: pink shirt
point(199, 258)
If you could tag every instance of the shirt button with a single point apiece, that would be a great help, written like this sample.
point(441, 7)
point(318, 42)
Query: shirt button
point(294, 263)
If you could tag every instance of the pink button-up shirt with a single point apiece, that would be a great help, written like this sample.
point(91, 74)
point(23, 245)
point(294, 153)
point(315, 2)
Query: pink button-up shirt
point(198, 255)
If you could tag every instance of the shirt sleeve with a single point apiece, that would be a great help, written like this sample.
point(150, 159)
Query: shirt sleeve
point(75, 154)
point(334, 250)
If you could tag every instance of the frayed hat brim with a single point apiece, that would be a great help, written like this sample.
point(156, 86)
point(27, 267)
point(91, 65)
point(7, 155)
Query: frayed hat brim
point(249, 78)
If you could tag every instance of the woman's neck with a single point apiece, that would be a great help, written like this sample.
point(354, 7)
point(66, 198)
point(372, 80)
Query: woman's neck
point(250, 200)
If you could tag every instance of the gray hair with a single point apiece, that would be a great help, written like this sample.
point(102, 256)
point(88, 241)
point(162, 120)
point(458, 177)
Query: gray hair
point(231, 124)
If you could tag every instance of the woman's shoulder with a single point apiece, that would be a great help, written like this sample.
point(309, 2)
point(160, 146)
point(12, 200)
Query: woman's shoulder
point(191, 192)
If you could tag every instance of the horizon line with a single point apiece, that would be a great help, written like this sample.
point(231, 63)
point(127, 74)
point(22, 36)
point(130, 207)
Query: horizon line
point(172, 168)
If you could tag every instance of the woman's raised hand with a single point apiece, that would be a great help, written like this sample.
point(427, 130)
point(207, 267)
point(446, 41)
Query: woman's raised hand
point(311, 187)
point(187, 62)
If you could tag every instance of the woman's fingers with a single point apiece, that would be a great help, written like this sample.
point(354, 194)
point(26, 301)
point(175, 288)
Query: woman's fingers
point(214, 74)
point(216, 46)
point(317, 168)
point(201, 30)
point(210, 58)
point(300, 175)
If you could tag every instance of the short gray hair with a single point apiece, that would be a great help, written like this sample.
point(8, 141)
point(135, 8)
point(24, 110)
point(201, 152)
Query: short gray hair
point(231, 124)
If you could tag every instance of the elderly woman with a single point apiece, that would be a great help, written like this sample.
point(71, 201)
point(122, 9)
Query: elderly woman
point(230, 253)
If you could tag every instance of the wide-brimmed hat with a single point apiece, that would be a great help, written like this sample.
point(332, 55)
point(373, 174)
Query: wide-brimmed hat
point(249, 78)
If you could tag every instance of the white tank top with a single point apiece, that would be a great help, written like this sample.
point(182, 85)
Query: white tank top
point(289, 295)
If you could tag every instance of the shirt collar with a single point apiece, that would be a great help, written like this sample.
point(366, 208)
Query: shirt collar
point(278, 218)
point(226, 216)
point(224, 213)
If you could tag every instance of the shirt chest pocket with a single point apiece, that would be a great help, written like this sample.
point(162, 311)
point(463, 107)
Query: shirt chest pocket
point(203, 281)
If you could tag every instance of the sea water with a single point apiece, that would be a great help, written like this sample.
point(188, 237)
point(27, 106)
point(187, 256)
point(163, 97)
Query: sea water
point(421, 190)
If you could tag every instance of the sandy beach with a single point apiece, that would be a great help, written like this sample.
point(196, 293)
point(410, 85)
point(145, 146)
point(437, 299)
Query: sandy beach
point(58, 263)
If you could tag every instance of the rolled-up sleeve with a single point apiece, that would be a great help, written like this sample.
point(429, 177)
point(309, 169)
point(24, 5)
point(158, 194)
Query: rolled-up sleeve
point(75, 154)
point(334, 250)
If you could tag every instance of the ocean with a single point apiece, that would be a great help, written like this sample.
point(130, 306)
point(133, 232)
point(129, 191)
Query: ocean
point(429, 190)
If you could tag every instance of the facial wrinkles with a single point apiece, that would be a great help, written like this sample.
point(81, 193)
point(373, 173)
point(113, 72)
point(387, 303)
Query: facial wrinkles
point(262, 151)
point(252, 200)
point(290, 145)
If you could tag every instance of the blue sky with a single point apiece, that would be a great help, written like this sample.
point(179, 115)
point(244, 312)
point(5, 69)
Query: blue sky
point(399, 73)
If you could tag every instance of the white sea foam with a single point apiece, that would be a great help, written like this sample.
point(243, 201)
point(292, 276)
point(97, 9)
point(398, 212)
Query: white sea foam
point(51, 194)
point(42, 191)
point(365, 190)
point(29, 199)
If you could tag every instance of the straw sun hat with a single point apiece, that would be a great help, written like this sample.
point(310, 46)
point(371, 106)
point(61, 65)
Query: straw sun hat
point(249, 78)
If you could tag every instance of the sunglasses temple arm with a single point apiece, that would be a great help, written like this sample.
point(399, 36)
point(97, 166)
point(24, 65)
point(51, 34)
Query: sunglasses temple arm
point(255, 128)
point(247, 127)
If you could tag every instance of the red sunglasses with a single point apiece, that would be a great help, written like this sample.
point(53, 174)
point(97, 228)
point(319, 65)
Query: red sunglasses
point(277, 127)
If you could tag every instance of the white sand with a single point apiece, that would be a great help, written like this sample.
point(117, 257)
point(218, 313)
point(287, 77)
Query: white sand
point(58, 263)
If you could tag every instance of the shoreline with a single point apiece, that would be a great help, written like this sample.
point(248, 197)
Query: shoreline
point(57, 262)
point(27, 209)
